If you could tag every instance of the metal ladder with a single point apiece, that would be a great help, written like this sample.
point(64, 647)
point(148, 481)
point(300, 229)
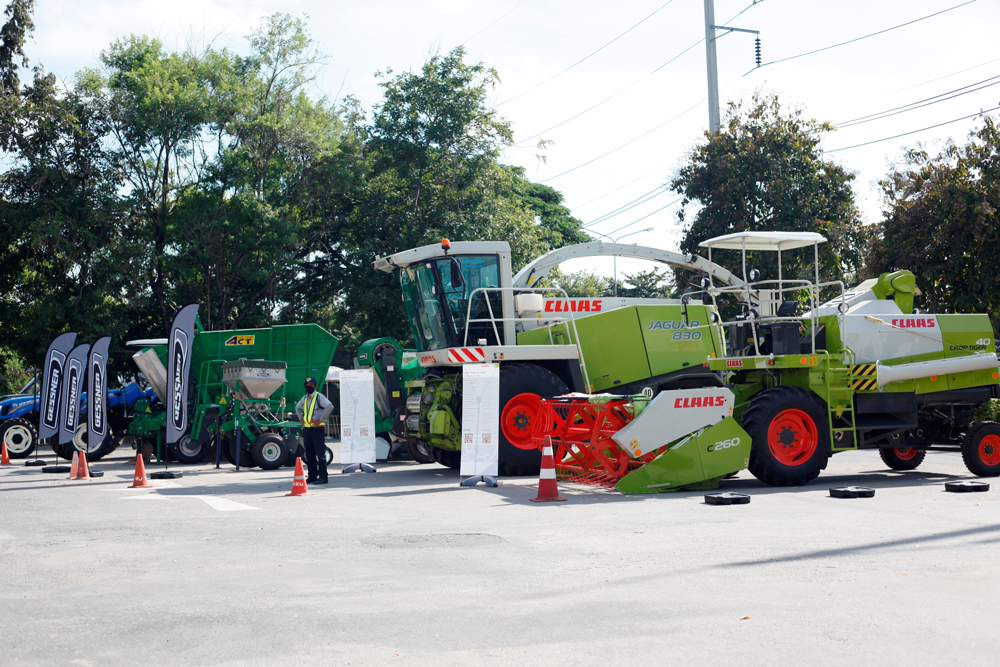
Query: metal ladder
point(840, 403)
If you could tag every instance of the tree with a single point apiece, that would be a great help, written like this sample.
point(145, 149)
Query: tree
point(942, 223)
point(652, 284)
point(13, 34)
point(558, 226)
point(579, 283)
point(764, 172)
point(430, 171)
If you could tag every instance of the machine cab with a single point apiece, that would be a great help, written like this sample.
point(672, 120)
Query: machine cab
point(454, 293)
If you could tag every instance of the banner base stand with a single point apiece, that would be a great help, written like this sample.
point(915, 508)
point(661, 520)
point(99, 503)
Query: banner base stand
point(488, 480)
point(56, 469)
point(36, 462)
point(359, 467)
point(165, 474)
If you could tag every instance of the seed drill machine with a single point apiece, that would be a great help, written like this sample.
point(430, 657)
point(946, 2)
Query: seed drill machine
point(667, 395)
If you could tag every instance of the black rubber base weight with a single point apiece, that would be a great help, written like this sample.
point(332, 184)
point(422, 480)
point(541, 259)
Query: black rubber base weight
point(727, 498)
point(56, 469)
point(165, 474)
point(967, 486)
point(96, 473)
point(36, 462)
point(852, 492)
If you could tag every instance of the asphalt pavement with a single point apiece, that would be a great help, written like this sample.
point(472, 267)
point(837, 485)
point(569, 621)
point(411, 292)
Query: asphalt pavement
point(404, 567)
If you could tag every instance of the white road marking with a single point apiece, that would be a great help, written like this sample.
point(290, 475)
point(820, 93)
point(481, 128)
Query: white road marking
point(219, 504)
point(6, 536)
point(225, 505)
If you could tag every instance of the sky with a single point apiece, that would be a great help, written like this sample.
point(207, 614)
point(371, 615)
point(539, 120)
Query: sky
point(617, 154)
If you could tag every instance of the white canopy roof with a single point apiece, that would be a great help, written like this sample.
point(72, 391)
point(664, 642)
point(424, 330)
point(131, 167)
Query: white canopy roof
point(333, 375)
point(764, 240)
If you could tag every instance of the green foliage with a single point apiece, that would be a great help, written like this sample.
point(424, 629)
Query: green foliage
point(14, 371)
point(764, 172)
point(942, 223)
point(163, 178)
point(13, 33)
point(652, 284)
point(558, 226)
point(579, 283)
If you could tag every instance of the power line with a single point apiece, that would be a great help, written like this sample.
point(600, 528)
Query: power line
point(916, 105)
point(620, 187)
point(897, 136)
point(634, 222)
point(858, 39)
point(627, 143)
point(961, 71)
point(607, 99)
point(638, 201)
point(495, 22)
point(587, 56)
point(634, 83)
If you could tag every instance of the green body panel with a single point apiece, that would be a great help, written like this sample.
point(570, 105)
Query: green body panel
point(701, 458)
point(408, 369)
point(632, 344)
point(439, 426)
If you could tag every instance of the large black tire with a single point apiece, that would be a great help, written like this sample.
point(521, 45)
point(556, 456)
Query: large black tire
point(790, 436)
point(517, 417)
point(419, 452)
point(187, 450)
point(296, 450)
point(903, 458)
point(981, 449)
point(269, 451)
point(81, 442)
point(447, 458)
point(229, 451)
point(64, 451)
point(21, 437)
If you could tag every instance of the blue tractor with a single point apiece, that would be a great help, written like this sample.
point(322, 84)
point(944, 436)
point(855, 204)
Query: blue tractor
point(19, 421)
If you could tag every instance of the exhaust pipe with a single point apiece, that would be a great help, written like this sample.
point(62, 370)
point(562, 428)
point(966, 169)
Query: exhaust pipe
point(923, 369)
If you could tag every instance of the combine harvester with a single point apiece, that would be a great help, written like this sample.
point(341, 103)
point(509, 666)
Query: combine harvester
point(689, 398)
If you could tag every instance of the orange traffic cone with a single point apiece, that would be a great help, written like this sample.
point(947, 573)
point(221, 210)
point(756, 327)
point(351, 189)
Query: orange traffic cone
point(82, 472)
point(140, 481)
point(548, 491)
point(4, 457)
point(299, 487)
point(76, 464)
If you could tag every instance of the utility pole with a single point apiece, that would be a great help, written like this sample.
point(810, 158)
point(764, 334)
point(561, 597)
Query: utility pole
point(714, 117)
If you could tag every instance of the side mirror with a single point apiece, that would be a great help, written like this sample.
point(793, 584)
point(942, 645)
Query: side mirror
point(457, 281)
point(754, 275)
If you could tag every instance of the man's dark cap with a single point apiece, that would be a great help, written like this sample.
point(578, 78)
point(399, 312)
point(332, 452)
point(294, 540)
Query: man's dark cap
point(311, 381)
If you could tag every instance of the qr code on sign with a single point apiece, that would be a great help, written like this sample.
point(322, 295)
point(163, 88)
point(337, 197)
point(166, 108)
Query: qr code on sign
point(467, 438)
point(487, 438)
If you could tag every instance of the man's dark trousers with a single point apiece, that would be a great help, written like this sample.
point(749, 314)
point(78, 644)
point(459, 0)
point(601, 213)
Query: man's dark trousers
point(312, 440)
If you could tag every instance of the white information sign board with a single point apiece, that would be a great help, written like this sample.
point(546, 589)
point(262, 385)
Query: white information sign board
point(480, 419)
point(357, 416)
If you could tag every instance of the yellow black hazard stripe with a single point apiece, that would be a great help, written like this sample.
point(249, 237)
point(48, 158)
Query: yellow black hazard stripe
point(863, 377)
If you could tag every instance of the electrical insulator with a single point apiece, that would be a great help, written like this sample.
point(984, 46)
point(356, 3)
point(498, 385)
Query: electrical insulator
point(757, 48)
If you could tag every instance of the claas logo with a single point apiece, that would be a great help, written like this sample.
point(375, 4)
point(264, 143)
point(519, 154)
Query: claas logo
point(700, 402)
point(239, 340)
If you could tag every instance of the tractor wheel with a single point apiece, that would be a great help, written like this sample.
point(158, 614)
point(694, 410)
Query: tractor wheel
point(790, 437)
point(420, 452)
point(295, 450)
point(21, 437)
point(981, 449)
point(447, 458)
point(246, 460)
point(522, 386)
point(269, 451)
point(64, 451)
point(81, 443)
point(187, 450)
point(902, 458)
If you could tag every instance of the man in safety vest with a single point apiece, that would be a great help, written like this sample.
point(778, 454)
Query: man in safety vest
point(312, 410)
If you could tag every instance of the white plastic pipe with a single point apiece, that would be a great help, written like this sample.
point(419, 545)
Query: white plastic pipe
point(923, 369)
